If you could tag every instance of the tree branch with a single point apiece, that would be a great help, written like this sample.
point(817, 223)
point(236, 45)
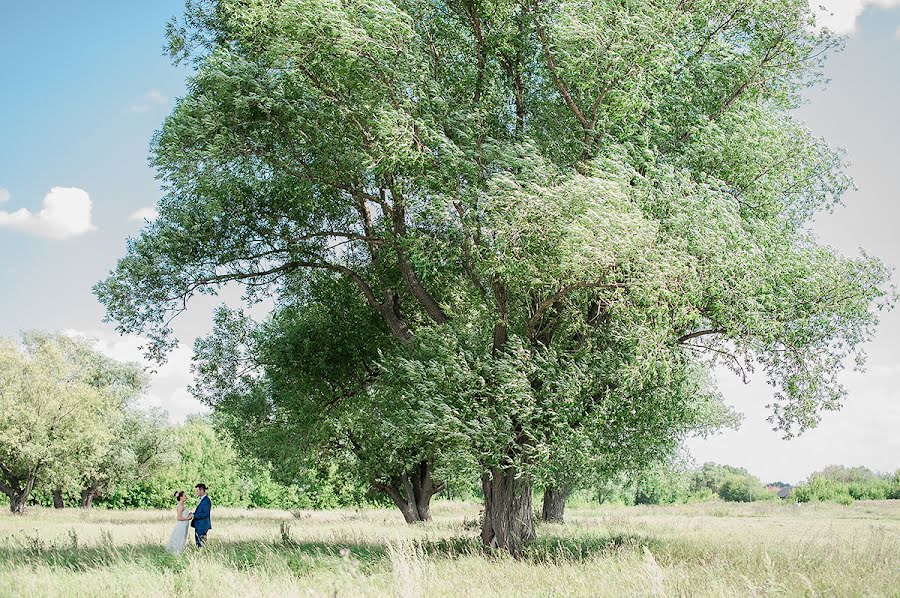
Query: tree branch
point(554, 74)
point(424, 298)
point(699, 333)
point(543, 306)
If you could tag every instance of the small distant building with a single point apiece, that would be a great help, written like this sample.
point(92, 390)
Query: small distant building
point(785, 492)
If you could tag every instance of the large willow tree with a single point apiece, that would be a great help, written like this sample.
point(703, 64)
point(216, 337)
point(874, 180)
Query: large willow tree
point(559, 209)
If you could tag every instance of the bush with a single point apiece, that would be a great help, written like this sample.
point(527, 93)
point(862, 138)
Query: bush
point(821, 488)
point(843, 485)
point(743, 488)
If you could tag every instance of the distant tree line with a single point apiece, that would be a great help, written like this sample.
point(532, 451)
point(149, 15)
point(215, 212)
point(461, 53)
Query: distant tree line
point(840, 484)
point(185, 454)
point(668, 484)
point(64, 414)
point(72, 435)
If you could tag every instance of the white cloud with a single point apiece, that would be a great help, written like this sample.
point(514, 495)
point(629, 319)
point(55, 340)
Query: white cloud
point(148, 213)
point(168, 383)
point(840, 15)
point(148, 100)
point(154, 96)
point(4, 195)
point(66, 213)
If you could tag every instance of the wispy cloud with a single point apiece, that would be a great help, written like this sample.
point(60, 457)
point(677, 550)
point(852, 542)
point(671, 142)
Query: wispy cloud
point(168, 383)
point(840, 15)
point(4, 195)
point(148, 213)
point(155, 96)
point(149, 100)
point(65, 213)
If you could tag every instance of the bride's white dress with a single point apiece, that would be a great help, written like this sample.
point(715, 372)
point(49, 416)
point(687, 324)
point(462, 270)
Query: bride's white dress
point(178, 539)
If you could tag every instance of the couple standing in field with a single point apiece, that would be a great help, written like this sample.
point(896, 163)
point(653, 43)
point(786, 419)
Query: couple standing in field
point(198, 519)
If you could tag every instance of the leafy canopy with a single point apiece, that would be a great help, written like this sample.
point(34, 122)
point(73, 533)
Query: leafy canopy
point(561, 211)
point(58, 404)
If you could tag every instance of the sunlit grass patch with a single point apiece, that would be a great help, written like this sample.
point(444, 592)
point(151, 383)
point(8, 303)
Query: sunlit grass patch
point(710, 549)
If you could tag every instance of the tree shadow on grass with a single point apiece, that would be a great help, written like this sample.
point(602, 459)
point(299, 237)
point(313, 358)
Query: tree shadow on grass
point(299, 557)
point(547, 549)
point(303, 558)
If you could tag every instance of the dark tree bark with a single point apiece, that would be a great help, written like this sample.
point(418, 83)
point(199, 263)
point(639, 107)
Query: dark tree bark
point(88, 495)
point(412, 493)
point(17, 503)
point(508, 516)
point(555, 503)
point(17, 489)
point(58, 499)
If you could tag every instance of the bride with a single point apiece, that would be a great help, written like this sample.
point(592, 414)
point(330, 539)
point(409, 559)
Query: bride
point(178, 539)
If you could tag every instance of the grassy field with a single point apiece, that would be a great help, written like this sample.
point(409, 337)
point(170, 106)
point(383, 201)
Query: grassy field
point(710, 549)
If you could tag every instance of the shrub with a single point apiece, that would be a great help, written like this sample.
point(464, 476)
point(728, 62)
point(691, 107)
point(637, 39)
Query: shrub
point(743, 488)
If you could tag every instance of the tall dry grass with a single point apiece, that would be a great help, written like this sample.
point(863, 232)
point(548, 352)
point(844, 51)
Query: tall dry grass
point(710, 549)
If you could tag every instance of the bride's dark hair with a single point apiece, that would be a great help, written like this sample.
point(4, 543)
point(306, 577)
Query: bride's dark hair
point(179, 494)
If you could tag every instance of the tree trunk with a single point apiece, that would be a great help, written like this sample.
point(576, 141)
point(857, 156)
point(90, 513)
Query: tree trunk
point(87, 497)
point(508, 516)
point(58, 499)
point(17, 503)
point(555, 503)
point(16, 491)
point(413, 492)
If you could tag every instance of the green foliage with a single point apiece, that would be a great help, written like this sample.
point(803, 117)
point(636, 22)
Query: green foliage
point(307, 372)
point(673, 483)
point(196, 453)
point(744, 488)
point(555, 218)
point(616, 491)
point(59, 399)
point(843, 485)
point(729, 483)
point(581, 419)
point(662, 485)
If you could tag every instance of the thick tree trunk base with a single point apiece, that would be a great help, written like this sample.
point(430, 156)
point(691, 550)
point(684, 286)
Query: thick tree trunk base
point(508, 516)
point(18, 504)
point(554, 508)
point(411, 513)
point(58, 499)
point(87, 497)
point(412, 493)
point(17, 492)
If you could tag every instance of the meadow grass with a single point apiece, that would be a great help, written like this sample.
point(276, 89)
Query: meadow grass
point(706, 549)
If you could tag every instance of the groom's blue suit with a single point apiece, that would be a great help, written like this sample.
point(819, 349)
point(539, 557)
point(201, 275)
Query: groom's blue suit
point(200, 522)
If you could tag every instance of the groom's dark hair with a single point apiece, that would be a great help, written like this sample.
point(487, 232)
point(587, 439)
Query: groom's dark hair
point(201, 486)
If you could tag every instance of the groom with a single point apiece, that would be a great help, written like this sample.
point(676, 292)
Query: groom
point(200, 521)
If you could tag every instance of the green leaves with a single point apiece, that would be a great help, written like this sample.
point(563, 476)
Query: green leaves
point(499, 232)
point(58, 402)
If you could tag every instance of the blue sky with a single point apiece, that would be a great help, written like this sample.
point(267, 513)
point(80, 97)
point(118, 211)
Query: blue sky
point(74, 76)
point(83, 85)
